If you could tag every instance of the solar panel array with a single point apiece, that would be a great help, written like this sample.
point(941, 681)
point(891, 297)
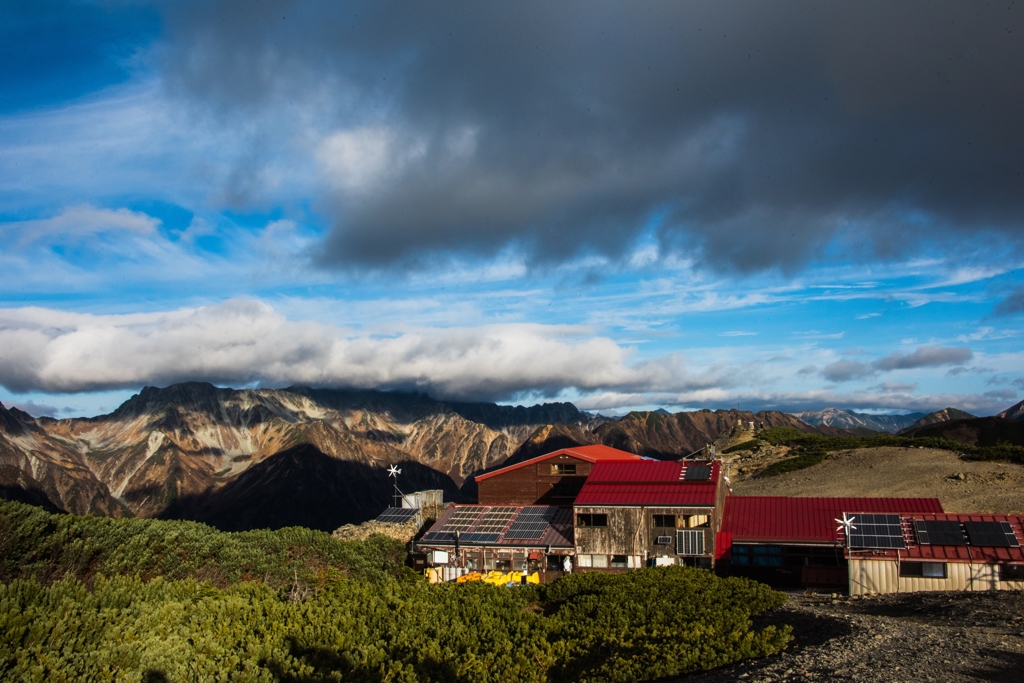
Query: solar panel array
point(938, 532)
point(697, 473)
point(484, 525)
point(463, 518)
point(877, 531)
point(397, 515)
point(993, 534)
point(531, 523)
point(495, 520)
point(474, 537)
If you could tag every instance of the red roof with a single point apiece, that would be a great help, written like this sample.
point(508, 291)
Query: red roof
point(778, 519)
point(952, 553)
point(596, 453)
point(647, 483)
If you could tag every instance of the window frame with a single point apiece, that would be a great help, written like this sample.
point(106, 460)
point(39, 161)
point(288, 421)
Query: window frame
point(656, 518)
point(563, 469)
point(917, 570)
point(591, 520)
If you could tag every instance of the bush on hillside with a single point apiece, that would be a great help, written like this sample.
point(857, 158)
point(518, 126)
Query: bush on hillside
point(35, 544)
point(637, 626)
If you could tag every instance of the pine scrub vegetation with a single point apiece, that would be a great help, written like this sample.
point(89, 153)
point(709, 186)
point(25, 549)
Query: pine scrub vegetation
point(348, 613)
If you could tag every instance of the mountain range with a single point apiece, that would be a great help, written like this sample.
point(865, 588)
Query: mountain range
point(852, 421)
point(252, 458)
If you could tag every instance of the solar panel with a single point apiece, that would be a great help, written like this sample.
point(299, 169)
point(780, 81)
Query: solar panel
point(995, 534)
point(938, 532)
point(531, 523)
point(876, 531)
point(397, 515)
point(495, 520)
point(697, 473)
point(463, 518)
point(689, 542)
point(438, 537)
point(474, 537)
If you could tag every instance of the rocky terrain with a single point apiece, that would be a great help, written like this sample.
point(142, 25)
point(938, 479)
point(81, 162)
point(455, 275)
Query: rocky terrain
point(252, 458)
point(942, 637)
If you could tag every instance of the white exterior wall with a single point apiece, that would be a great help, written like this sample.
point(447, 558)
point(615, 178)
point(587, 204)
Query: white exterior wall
point(882, 576)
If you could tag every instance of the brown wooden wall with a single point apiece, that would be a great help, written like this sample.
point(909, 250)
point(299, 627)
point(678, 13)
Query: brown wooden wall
point(535, 484)
point(631, 530)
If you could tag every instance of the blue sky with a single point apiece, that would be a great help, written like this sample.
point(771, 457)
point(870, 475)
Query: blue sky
point(621, 205)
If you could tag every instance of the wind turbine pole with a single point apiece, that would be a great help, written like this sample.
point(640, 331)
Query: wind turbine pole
point(393, 471)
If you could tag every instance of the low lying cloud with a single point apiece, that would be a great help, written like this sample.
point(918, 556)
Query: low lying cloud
point(922, 357)
point(845, 370)
point(244, 342)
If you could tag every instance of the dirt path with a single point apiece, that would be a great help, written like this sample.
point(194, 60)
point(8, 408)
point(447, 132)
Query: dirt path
point(904, 472)
point(947, 637)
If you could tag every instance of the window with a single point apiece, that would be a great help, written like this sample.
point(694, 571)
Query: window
point(758, 555)
point(599, 561)
point(1011, 572)
point(695, 521)
point(503, 565)
point(665, 521)
point(583, 561)
point(927, 570)
point(620, 562)
point(587, 519)
point(563, 469)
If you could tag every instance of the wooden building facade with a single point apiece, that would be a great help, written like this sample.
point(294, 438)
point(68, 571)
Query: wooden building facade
point(631, 515)
point(552, 479)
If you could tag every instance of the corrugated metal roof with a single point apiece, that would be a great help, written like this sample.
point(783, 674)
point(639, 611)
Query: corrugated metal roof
point(952, 553)
point(647, 483)
point(779, 519)
point(595, 453)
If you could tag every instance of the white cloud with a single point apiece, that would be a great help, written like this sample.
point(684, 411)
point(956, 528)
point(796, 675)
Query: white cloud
point(246, 341)
point(81, 221)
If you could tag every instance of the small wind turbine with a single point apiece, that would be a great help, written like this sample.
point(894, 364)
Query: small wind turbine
point(845, 525)
point(393, 471)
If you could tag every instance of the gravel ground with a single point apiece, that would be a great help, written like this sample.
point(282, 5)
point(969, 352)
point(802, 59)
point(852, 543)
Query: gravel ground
point(947, 637)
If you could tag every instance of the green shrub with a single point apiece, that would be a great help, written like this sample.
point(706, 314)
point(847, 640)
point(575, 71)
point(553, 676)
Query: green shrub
point(46, 547)
point(637, 626)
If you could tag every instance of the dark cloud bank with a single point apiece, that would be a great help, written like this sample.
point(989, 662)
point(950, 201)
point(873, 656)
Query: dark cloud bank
point(757, 133)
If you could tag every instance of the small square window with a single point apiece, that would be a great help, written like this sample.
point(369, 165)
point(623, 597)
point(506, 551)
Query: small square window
point(563, 469)
point(620, 562)
point(665, 521)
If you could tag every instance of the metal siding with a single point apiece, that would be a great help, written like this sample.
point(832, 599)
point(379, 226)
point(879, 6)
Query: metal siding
point(879, 576)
